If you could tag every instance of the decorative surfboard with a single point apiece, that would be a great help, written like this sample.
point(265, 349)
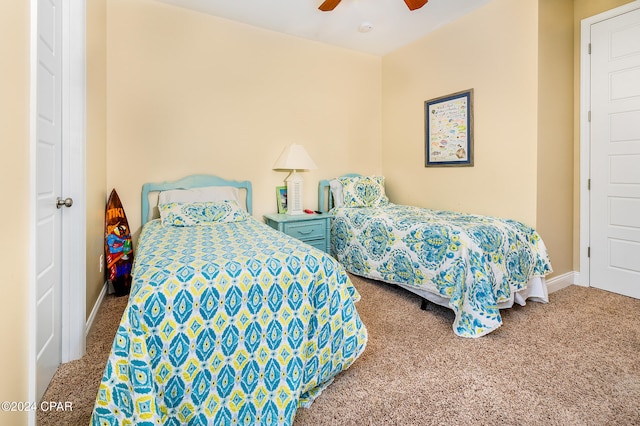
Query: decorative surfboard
point(118, 246)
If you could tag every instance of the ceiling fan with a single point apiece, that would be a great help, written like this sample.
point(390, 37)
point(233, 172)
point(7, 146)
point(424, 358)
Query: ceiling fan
point(411, 4)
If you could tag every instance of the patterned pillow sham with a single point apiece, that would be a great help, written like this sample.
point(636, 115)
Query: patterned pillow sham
point(363, 191)
point(201, 213)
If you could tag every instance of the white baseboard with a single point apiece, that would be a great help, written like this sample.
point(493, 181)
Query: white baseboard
point(561, 281)
point(94, 311)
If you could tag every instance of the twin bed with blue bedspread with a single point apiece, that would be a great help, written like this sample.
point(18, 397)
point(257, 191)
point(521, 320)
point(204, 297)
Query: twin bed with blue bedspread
point(228, 321)
point(475, 265)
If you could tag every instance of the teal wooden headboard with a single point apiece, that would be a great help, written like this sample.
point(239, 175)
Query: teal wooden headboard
point(325, 200)
point(193, 181)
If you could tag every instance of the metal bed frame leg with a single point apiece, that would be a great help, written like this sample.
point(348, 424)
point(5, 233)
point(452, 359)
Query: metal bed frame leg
point(423, 305)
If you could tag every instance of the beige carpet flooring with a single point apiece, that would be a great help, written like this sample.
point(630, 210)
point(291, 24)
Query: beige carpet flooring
point(574, 361)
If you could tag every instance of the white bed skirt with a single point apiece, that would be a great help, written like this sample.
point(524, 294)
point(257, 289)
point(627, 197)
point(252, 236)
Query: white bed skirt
point(536, 290)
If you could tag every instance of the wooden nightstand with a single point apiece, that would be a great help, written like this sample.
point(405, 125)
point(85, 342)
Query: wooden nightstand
point(313, 229)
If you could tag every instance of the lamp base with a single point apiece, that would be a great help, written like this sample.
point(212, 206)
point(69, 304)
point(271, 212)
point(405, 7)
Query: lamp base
point(294, 194)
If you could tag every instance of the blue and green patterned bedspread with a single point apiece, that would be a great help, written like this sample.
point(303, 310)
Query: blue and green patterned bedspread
point(474, 261)
point(227, 324)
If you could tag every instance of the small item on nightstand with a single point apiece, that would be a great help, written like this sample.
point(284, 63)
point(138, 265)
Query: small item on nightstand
point(308, 211)
point(318, 212)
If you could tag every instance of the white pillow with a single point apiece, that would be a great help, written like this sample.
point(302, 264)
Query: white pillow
point(201, 195)
point(336, 191)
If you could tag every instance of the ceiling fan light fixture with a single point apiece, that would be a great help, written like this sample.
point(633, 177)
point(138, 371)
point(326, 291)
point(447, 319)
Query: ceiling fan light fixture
point(415, 4)
point(365, 27)
point(329, 5)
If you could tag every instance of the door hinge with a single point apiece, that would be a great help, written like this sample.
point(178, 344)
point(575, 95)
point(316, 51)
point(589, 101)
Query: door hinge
point(588, 251)
point(589, 184)
point(589, 49)
point(589, 116)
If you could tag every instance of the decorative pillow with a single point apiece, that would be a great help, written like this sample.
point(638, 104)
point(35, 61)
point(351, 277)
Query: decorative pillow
point(363, 191)
point(194, 214)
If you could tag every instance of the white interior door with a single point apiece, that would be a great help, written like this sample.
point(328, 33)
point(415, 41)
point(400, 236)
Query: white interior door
point(615, 154)
point(48, 186)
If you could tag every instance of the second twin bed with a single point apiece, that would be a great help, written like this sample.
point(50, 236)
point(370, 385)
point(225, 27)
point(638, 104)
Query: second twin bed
point(472, 264)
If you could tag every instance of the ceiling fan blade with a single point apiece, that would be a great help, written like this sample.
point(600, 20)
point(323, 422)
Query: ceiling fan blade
point(415, 4)
point(329, 5)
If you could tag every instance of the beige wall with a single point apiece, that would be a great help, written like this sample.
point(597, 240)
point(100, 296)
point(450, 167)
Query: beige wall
point(96, 147)
point(192, 93)
point(14, 173)
point(494, 51)
point(554, 213)
point(517, 56)
point(526, 116)
point(184, 102)
point(180, 78)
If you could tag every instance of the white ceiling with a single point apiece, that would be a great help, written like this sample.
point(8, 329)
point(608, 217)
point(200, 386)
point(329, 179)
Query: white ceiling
point(394, 25)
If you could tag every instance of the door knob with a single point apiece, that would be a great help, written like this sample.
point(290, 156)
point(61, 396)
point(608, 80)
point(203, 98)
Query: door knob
point(67, 202)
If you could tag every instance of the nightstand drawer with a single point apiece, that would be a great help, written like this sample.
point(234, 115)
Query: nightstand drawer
point(308, 230)
point(319, 244)
point(312, 229)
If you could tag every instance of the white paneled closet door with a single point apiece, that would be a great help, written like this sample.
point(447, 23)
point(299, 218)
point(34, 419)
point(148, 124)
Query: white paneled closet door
point(48, 187)
point(615, 154)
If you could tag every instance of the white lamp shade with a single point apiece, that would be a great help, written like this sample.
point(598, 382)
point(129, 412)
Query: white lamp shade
point(294, 157)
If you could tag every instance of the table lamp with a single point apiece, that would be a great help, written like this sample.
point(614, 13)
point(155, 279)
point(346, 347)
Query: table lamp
point(294, 157)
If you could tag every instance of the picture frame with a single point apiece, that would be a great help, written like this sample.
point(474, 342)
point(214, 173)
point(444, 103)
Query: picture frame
point(281, 199)
point(449, 130)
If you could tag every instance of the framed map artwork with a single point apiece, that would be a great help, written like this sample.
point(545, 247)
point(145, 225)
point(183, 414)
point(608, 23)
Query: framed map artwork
point(449, 130)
